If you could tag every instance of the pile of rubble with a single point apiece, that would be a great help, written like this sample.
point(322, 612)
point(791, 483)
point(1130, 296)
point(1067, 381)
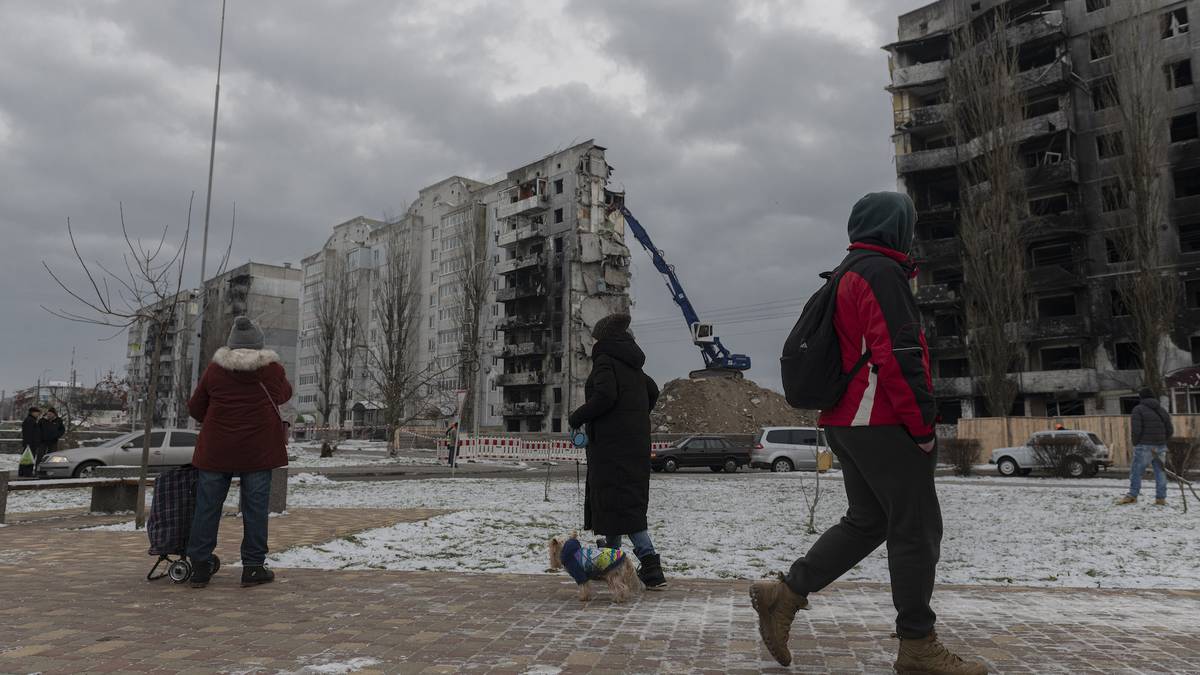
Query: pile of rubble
point(722, 406)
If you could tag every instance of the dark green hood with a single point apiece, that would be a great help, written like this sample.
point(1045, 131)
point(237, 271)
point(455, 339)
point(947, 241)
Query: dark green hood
point(886, 219)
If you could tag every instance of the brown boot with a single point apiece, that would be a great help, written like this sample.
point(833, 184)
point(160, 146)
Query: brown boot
point(1127, 499)
point(930, 657)
point(776, 605)
point(1160, 502)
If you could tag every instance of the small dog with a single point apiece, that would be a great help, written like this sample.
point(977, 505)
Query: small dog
point(590, 563)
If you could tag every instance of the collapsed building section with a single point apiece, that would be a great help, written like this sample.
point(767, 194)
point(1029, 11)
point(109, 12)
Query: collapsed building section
point(564, 266)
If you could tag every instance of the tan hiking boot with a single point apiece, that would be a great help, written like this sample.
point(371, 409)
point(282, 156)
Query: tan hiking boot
point(776, 605)
point(1160, 502)
point(929, 656)
point(1127, 499)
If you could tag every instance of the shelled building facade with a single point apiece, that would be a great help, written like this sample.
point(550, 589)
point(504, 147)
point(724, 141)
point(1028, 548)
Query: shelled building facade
point(1079, 356)
point(551, 235)
point(174, 386)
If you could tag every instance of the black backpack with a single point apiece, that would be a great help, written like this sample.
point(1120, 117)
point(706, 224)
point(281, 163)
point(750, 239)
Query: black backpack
point(812, 357)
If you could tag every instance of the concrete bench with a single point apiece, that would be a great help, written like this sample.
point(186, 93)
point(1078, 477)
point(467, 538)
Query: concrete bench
point(108, 494)
point(115, 488)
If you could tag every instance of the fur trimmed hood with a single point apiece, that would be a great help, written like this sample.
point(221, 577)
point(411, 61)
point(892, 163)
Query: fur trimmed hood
point(244, 360)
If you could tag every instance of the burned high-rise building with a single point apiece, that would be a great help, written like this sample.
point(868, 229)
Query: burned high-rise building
point(1079, 354)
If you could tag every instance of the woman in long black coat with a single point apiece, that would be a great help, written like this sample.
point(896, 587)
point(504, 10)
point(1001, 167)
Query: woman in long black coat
point(616, 417)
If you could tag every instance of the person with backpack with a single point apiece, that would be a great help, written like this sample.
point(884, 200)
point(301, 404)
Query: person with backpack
point(237, 402)
point(859, 355)
point(1150, 428)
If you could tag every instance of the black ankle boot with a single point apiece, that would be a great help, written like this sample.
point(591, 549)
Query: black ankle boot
point(651, 574)
point(253, 575)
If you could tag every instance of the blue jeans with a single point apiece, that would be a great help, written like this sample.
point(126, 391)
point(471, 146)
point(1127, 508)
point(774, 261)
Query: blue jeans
point(211, 489)
point(1153, 455)
point(642, 546)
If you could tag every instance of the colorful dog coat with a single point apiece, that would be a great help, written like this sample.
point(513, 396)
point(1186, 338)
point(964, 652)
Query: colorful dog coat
point(586, 563)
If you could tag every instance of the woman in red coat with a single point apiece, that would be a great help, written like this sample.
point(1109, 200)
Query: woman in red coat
point(237, 402)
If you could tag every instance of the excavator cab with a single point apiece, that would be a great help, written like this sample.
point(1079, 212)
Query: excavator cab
point(702, 334)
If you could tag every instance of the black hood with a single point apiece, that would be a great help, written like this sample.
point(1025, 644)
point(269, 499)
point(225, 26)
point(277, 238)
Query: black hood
point(886, 219)
point(1152, 403)
point(622, 348)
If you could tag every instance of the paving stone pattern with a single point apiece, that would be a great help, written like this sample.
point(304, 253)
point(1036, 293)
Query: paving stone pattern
point(77, 601)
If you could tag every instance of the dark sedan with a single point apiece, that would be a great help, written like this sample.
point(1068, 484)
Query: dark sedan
point(718, 454)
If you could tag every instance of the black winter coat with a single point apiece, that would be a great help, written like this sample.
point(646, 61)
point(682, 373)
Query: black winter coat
point(52, 431)
point(616, 417)
point(1150, 424)
point(31, 433)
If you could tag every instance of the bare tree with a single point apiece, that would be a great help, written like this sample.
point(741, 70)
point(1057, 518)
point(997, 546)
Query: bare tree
point(474, 279)
point(347, 341)
point(1148, 291)
point(145, 296)
point(329, 311)
point(987, 117)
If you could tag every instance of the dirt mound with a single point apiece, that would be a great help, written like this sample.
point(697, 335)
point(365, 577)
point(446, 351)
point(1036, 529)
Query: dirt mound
point(722, 406)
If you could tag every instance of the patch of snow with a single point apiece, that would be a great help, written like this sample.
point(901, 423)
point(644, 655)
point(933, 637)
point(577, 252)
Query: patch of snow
point(335, 668)
point(309, 479)
point(9, 462)
point(750, 524)
point(543, 670)
point(127, 526)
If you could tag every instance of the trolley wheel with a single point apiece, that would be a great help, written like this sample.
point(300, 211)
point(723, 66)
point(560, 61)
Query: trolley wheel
point(180, 571)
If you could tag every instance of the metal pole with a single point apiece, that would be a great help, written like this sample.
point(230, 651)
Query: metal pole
point(212, 154)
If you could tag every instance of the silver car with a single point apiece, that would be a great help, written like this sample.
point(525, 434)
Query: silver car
point(788, 448)
point(1092, 455)
point(168, 448)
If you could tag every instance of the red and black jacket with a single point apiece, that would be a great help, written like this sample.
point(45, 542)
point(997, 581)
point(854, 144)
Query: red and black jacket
point(876, 313)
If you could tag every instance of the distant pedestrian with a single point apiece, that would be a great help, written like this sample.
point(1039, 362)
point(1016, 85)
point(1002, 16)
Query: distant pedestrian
point(53, 430)
point(1059, 427)
point(616, 414)
point(1150, 428)
point(882, 431)
point(31, 432)
point(237, 401)
point(452, 443)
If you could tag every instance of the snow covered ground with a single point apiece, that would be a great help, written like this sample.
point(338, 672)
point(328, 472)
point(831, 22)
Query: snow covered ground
point(747, 525)
point(356, 453)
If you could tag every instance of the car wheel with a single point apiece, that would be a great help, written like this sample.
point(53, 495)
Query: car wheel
point(670, 466)
point(731, 466)
point(1092, 470)
point(86, 469)
point(1074, 467)
point(1008, 467)
point(782, 465)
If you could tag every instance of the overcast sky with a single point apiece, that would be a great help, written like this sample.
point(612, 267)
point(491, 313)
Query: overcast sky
point(742, 131)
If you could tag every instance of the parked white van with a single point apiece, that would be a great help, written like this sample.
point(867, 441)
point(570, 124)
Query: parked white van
point(789, 449)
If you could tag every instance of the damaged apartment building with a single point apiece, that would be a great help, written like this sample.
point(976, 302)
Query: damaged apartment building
point(1079, 356)
point(553, 240)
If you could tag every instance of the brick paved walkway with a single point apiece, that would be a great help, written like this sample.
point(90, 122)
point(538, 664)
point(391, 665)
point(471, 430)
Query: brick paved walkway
point(76, 601)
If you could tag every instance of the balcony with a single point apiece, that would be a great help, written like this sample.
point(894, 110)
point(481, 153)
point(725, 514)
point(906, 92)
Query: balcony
point(1052, 277)
point(1054, 226)
point(933, 295)
point(962, 387)
point(529, 409)
point(926, 160)
point(918, 74)
point(520, 292)
point(515, 264)
point(520, 322)
point(909, 119)
point(520, 234)
point(1052, 75)
point(1048, 24)
point(522, 349)
point(1059, 381)
point(521, 199)
point(1041, 176)
point(936, 249)
point(1056, 328)
point(945, 343)
point(521, 379)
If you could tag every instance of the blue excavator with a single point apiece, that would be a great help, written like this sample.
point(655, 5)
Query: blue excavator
point(718, 360)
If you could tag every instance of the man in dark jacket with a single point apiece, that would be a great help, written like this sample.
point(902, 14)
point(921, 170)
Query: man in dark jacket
point(237, 401)
point(53, 430)
point(882, 431)
point(31, 432)
point(1151, 428)
point(616, 415)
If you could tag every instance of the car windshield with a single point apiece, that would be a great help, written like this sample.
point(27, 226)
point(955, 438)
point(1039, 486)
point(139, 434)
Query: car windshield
point(1095, 439)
